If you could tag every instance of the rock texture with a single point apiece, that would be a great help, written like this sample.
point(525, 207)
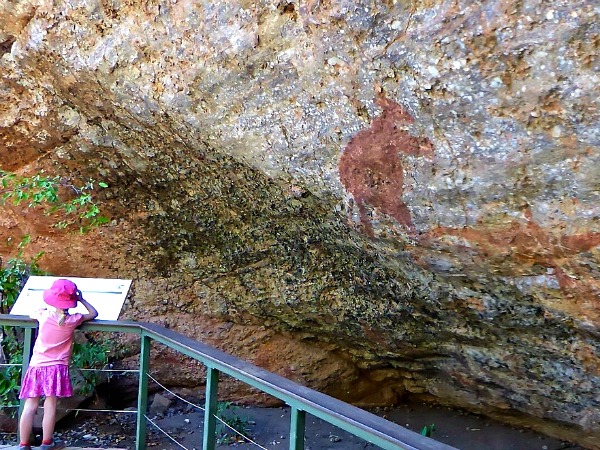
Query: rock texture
point(378, 199)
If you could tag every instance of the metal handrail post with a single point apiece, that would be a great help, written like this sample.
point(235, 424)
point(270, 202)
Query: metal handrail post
point(210, 409)
point(297, 428)
point(140, 440)
point(27, 341)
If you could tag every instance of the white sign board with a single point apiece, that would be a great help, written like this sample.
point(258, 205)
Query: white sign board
point(105, 294)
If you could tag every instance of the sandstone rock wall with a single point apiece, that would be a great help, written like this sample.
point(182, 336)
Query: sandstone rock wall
point(409, 189)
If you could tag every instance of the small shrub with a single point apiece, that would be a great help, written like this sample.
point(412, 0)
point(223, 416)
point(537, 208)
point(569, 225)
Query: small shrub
point(10, 379)
point(226, 411)
point(428, 430)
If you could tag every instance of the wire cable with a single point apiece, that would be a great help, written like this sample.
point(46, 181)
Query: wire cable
point(174, 394)
point(164, 432)
point(246, 438)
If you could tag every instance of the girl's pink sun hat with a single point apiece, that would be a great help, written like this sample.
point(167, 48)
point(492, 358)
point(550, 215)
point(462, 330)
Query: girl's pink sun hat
point(62, 294)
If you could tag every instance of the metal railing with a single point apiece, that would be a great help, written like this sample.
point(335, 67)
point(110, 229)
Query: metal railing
point(302, 400)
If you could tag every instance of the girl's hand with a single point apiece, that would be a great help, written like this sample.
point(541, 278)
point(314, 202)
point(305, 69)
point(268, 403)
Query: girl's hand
point(79, 295)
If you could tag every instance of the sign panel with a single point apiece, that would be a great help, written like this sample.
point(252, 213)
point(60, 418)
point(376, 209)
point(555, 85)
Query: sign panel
point(107, 295)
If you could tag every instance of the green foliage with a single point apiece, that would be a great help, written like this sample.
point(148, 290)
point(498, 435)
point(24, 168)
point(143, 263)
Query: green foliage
point(226, 411)
point(9, 389)
point(90, 355)
point(40, 189)
point(10, 377)
point(13, 276)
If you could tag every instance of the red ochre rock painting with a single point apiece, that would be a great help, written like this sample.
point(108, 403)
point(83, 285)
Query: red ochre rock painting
point(526, 244)
point(371, 166)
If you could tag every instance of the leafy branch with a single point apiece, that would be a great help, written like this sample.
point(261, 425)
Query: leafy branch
point(39, 190)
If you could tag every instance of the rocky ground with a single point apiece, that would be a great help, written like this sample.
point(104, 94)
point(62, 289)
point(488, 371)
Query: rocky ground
point(268, 428)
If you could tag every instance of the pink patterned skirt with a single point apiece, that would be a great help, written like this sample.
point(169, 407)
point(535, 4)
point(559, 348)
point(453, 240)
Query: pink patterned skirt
point(47, 381)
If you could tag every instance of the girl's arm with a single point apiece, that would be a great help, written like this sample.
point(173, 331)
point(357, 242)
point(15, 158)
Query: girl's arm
point(92, 313)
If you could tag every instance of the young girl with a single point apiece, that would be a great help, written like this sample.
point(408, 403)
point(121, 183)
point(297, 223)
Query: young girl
point(48, 371)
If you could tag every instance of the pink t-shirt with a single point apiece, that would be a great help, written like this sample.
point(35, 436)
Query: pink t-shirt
point(54, 342)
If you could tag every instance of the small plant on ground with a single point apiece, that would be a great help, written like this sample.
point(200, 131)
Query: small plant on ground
point(428, 430)
point(230, 426)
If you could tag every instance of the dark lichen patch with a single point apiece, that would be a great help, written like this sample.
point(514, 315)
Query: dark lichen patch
point(371, 167)
point(269, 256)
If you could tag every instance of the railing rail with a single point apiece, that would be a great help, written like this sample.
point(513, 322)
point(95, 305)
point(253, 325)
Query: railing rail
point(301, 399)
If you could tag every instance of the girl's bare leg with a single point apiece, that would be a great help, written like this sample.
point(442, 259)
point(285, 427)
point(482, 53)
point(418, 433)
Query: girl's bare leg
point(49, 419)
point(26, 422)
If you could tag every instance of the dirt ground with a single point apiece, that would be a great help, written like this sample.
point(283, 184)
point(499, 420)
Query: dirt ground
point(269, 428)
